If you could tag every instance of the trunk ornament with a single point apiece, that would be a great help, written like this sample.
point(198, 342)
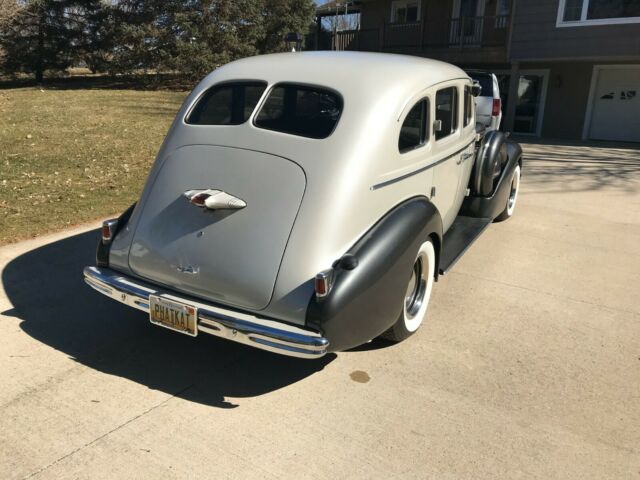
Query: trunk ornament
point(214, 199)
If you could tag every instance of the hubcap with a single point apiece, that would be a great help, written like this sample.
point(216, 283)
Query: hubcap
point(416, 289)
point(513, 195)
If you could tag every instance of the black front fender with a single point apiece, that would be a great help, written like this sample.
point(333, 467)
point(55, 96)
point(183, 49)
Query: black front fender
point(492, 205)
point(365, 301)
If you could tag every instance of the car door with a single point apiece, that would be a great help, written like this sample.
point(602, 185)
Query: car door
point(449, 167)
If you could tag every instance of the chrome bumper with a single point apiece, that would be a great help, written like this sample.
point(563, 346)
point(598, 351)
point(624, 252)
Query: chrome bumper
point(239, 327)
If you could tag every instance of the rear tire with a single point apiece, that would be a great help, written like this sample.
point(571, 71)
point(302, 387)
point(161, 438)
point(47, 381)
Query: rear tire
point(416, 299)
point(513, 197)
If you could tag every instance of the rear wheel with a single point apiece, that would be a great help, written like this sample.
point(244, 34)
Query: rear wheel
point(513, 197)
point(416, 299)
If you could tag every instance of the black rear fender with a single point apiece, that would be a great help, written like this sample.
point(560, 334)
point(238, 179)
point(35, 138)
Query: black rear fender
point(492, 204)
point(365, 301)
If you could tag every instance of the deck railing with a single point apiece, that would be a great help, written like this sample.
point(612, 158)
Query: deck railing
point(464, 32)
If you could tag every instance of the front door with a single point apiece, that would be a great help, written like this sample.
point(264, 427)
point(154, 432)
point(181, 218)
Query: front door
point(447, 173)
point(532, 87)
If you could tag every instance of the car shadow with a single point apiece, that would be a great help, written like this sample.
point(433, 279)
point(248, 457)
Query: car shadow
point(48, 295)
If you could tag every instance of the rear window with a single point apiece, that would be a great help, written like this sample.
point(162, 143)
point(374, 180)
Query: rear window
point(227, 104)
point(486, 82)
point(300, 110)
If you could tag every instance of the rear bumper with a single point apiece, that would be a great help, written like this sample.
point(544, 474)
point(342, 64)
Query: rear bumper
point(239, 327)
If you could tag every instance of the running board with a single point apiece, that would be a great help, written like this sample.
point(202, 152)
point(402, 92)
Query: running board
point(459, 237)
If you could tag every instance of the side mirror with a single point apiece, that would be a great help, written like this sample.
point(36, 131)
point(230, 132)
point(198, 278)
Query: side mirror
point(437, 126)
point(476, 89)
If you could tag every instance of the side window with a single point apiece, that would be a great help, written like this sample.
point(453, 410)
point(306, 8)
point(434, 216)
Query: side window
point(227, 104)
point(468, 106)
point(447, 111)
point(414, 133)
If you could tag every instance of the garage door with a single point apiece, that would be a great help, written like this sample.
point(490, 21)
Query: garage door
point(616, 105)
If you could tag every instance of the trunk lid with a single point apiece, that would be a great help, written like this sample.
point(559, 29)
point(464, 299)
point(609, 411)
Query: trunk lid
point(230, 256)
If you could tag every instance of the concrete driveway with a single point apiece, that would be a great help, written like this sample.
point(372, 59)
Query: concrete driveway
point(529, 365)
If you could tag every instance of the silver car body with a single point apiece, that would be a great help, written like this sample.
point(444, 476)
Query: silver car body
point(310, 241)
point(307, 200)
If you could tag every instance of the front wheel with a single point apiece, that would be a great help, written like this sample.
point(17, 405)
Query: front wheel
point(416, 299)
point(513, 197)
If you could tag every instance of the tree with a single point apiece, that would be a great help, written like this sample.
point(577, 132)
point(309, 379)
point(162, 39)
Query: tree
point(8, 10)
point(209, 33)
point(188, 36)
point(137, 34)
point(45, 35)
point(282, 17)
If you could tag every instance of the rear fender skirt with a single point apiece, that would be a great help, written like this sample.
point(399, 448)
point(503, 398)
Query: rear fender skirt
point(102, 252)
point(491, 206)
point(365, 301)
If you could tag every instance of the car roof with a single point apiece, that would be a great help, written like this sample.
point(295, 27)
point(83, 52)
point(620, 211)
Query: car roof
point(368, 73)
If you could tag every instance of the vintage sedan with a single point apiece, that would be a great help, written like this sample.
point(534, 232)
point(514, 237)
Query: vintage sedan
point(303, 203)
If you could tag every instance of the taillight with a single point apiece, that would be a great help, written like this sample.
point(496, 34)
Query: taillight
point(497, 105)
point(323, 283)
point(108, 230)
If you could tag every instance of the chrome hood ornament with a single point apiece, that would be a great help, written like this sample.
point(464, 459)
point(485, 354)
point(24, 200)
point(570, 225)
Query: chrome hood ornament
point(214, 199)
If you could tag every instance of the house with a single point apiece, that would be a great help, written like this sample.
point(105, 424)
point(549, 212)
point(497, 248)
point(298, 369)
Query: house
point(567, 68)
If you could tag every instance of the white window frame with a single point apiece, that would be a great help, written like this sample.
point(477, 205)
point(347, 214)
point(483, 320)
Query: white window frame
point(584, 22)
point(399, 3)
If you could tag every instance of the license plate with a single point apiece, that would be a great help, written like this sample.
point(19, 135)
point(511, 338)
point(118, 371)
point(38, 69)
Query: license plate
point(177, 316)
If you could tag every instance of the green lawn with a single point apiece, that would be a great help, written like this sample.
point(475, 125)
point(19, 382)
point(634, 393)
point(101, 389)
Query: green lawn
point(70, 156)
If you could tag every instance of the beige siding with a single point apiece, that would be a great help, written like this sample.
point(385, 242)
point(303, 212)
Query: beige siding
point(536, 36)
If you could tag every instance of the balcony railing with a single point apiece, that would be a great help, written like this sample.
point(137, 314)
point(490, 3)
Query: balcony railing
point(464, 32)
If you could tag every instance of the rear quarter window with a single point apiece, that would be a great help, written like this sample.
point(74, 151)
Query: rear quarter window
point(300, 110)
point(227, 104)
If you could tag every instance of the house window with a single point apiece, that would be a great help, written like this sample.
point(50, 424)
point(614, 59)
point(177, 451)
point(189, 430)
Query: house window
point(405, 11)
point(446, 111)
point(413, 133)
point(503, 7)
point(597, 12)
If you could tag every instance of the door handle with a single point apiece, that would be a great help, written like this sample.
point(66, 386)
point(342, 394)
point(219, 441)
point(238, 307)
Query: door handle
point(463, 157)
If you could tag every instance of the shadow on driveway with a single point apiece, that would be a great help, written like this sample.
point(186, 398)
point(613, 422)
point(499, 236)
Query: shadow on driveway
point(569, 168)
point(48, 293)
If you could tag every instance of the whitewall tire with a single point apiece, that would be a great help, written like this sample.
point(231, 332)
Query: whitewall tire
point(510, 207)
point(416, 299)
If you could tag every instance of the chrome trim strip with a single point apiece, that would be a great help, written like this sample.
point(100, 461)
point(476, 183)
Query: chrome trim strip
point(420, 170)
point(283, 339)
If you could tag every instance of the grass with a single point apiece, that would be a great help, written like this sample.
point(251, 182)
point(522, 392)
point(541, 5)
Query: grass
point(72, 155)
